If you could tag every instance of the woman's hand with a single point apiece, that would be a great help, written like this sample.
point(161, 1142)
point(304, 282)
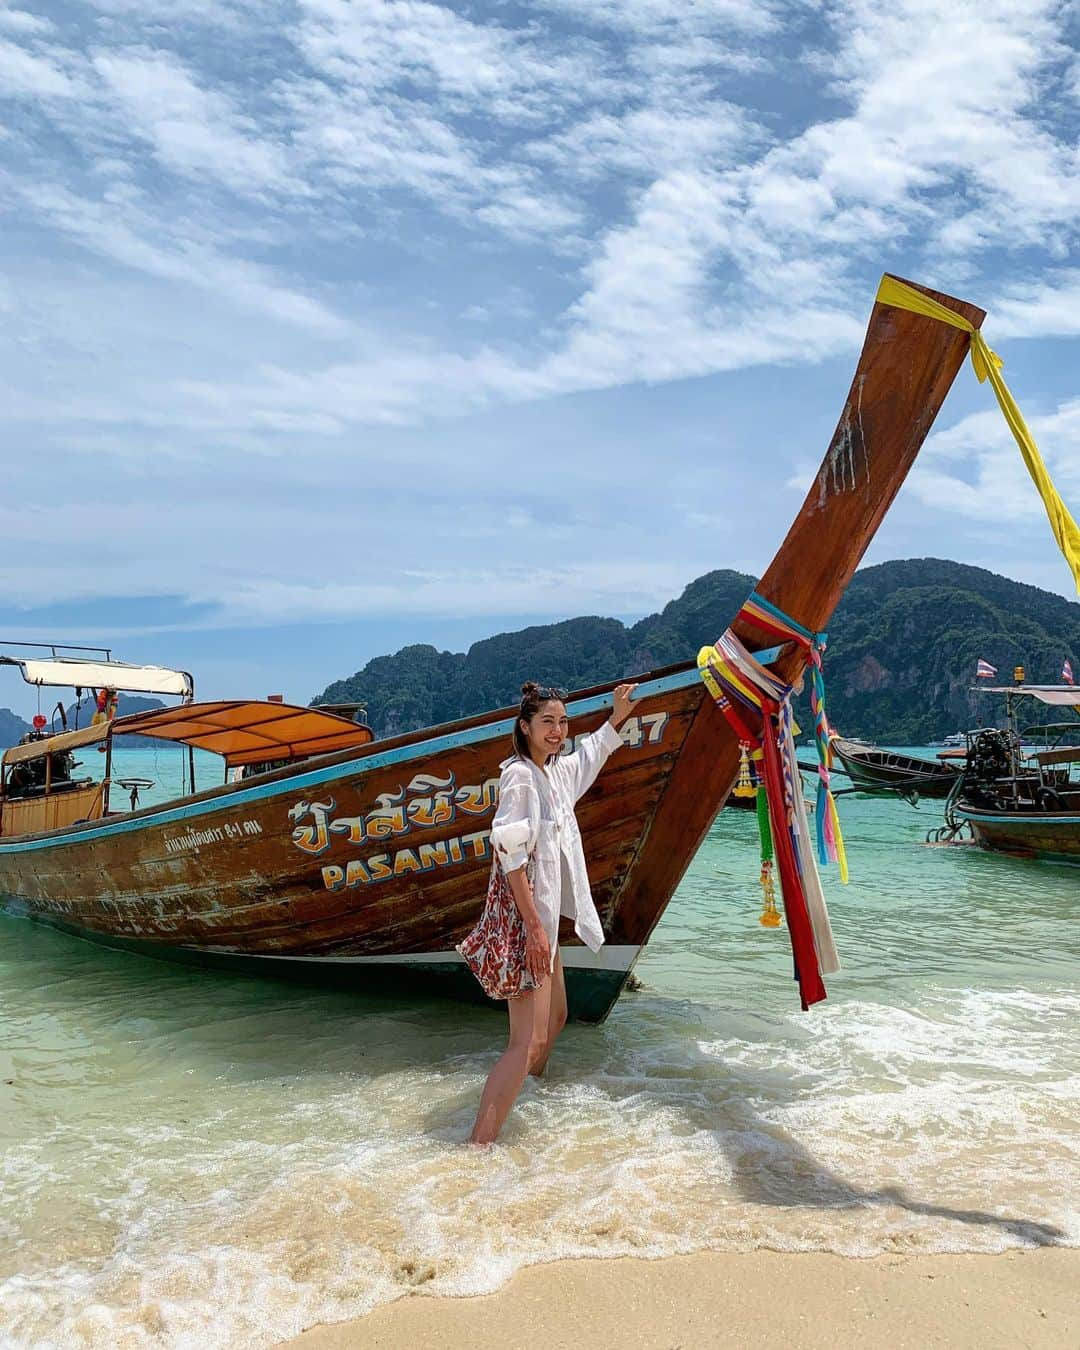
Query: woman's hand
point(537, 952)
point(621, 700)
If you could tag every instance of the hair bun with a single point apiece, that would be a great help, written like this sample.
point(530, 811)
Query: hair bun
point(529, 689)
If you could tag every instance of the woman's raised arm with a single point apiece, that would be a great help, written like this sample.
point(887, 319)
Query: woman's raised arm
point(593, 751)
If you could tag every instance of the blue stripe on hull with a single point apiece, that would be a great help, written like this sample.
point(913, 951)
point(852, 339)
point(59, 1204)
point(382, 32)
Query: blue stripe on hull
point(351, 768)
point(1016, 822)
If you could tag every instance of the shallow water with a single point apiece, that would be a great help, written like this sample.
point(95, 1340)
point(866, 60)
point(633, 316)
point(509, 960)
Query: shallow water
point(191, 1160)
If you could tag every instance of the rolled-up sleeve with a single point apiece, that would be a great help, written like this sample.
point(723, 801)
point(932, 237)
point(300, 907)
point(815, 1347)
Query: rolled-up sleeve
point(516, 824)
point(589, 758)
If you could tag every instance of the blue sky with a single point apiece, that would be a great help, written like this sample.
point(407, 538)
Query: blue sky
point(327, 326)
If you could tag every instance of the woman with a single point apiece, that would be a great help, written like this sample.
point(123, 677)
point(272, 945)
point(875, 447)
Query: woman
point(537, 847)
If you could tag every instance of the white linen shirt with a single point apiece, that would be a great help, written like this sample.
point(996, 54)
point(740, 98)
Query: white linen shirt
point(536, 812)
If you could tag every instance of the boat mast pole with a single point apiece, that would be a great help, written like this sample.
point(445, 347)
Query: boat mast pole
point(108, 776)
point(1014, 740)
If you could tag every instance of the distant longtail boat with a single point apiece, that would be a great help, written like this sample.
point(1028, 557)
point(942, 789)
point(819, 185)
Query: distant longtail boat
point(872, 769)
point(1024, 801)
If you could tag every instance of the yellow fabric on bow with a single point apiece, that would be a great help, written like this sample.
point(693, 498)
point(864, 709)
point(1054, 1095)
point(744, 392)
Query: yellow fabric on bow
point(988, 365)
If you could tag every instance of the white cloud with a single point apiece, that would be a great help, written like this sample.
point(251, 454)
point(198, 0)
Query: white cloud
point(32, 75)
point(195, 132)
point(653, 309)
point(393, 96)
point(365, 145)
point(1047, 306)
point(357, 123)
point(679, 128)
point(441, 55)
point(120, 229)
point(653, 18)
point(924, 143)
point(378, 43)
point(20, 21)
point(924, 132)
point(399, 388)
point(974, 469)
point(673, 40)
point(616, 586)
point(225, 14)
point(782, 239)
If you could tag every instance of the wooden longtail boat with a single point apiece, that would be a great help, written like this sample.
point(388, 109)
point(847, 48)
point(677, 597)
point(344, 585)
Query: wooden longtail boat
point(1024, 803)
point(1025, 830)
point(367, 865)
point(872, 769)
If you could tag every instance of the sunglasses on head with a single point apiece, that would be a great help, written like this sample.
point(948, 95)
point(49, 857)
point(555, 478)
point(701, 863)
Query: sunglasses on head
point(546, 692)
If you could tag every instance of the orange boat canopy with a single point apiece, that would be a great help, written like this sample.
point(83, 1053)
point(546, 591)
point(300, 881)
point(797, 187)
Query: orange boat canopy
point(248, 732)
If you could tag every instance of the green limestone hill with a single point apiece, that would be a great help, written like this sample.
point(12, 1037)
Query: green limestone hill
point(12, 728)
point(419, 686)
point(907, 636)
point(900, 665)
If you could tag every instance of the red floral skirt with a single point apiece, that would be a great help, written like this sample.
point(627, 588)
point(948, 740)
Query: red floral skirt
point(495, 949)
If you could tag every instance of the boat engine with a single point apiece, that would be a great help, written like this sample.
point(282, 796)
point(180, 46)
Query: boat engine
point(991, 757)
point(27, 779)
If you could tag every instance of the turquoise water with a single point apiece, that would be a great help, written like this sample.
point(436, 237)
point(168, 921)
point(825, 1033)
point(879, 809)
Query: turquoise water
point(204, 1161)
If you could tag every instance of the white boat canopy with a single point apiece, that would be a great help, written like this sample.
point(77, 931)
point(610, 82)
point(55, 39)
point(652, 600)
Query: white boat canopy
point(69, 673)
point(1057, 695)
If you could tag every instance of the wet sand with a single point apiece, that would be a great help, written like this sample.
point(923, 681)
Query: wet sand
point(725, 1299)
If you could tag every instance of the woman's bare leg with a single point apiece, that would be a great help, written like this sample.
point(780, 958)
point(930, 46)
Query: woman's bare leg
point(529, 1014)
point(556, 1016)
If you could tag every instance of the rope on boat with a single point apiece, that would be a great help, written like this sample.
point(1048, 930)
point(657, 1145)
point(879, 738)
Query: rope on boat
point(988, 365)
point(954, 826)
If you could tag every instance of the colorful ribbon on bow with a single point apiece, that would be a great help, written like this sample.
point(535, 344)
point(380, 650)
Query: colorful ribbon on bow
point(757, 706)
point(763, 614)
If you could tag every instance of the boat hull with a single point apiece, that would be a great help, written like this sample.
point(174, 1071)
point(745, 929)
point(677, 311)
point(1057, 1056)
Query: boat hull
point(593, 982)
point(873, 770)
point(1050, 836)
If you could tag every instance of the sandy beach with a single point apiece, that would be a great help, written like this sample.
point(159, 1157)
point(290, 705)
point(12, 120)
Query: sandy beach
point(741, 1300)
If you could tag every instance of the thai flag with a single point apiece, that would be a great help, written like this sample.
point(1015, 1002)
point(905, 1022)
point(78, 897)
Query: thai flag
point(984, 670)
point(1066, 672)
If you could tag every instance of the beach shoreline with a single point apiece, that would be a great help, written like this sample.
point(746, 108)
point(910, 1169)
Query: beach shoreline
point(746, 1299)
point(237, 1160)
